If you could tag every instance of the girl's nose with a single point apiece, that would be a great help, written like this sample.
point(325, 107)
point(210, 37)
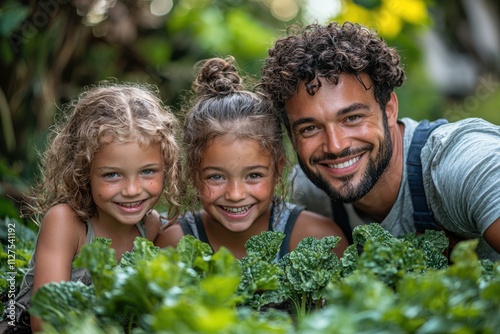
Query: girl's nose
point(132, 187)
point(235, 190)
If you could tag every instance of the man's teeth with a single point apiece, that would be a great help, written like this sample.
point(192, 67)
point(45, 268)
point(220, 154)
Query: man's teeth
point(236, 210)
point(345, 164)
point(131, 205)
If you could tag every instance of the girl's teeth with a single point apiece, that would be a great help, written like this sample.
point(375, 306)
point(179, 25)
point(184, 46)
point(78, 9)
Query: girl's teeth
point(130, 205)
point(236, 210)
point(345, 164)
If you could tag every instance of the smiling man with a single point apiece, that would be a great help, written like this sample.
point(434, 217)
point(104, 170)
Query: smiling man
point(334, 88)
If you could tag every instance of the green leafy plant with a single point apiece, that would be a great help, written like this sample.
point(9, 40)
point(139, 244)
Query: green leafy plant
point(191, 289)
point(391, 258)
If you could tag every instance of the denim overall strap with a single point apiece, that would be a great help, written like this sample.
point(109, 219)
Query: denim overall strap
point(422, 215)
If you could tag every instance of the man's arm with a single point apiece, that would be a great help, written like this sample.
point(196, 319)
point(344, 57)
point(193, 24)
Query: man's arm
point(492, 235)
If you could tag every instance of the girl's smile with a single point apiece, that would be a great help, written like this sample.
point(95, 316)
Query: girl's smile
point(125, 188)
point(236, 182)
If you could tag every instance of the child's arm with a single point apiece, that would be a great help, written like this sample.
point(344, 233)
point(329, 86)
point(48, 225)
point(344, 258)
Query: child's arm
point(60, 238)
point(311, 224)
point(153, 225)
point(169, 236)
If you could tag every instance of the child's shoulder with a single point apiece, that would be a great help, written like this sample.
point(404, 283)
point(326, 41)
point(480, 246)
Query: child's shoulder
point(61, 224)
point(169, 235)
point(61, 214)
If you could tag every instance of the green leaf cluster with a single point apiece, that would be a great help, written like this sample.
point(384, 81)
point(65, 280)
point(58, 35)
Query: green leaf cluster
point(382, 284)
point(17, 242)
point(461, 298)
point(390, 258)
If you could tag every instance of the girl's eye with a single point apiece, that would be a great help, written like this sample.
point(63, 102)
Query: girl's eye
point(254, 176)
point(111, 175)
point(214, 177)
point(148, 171)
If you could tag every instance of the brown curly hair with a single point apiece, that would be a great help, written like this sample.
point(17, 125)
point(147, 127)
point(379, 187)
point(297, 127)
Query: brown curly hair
point(327, 51)
point(221, 107)
point(103, 113)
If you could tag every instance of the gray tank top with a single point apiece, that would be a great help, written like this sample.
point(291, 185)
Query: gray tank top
point(282, 219)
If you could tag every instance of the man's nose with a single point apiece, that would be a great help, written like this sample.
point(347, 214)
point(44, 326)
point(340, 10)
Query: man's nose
point(336, 140)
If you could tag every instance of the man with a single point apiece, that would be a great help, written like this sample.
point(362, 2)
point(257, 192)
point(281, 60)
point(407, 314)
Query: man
point(334, 88)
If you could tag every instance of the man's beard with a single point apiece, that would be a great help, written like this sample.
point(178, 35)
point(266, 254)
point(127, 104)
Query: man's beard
point(349, 192)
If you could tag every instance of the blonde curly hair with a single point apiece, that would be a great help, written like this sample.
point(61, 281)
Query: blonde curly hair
point(103, 113)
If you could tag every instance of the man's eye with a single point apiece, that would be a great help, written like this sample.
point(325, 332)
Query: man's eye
point(308, 129)
point(352, 118)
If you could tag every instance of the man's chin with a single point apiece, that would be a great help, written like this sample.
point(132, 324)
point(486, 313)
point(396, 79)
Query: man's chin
point(345, 192)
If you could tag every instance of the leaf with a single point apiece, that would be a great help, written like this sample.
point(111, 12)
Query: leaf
point(194, 253)
point(11, 16)
point(307, 270)
point(259, 269)
point(99, 259)
point(432, 244)
point(59, 302)
point(143, 250)
point(374, 232)
point(266, 245)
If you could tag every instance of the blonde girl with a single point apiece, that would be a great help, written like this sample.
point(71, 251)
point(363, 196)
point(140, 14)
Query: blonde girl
point(110, 160)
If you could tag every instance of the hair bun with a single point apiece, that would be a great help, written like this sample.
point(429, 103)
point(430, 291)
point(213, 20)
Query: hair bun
point(217, 76)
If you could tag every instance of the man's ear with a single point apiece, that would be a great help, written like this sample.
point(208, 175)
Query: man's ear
point(391, 110)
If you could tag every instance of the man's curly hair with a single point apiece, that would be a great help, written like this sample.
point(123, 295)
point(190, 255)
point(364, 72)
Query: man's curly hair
point(319, 51)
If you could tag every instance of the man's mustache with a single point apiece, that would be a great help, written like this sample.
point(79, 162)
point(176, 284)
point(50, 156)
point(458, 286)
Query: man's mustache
point(345, 153)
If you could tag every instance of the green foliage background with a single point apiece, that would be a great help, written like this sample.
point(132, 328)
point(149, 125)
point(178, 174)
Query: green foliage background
point(51, 49)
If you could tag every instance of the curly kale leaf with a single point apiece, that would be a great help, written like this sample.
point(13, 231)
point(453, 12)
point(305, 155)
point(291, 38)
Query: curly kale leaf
point(194, 253)
point(308, 269)
point(350, 260)
point(312, 265)
point(144, 250)
point(384, 255)
point(59, 302)
point(266, 245)
point(257, 278)
point(362, 233)
point(432, 244)
point(99, 259)
point(452, 300)
point(260, 272)
point(391, 261)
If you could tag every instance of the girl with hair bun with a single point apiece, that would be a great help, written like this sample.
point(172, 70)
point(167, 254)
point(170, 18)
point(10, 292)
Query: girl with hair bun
point(234, 160)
